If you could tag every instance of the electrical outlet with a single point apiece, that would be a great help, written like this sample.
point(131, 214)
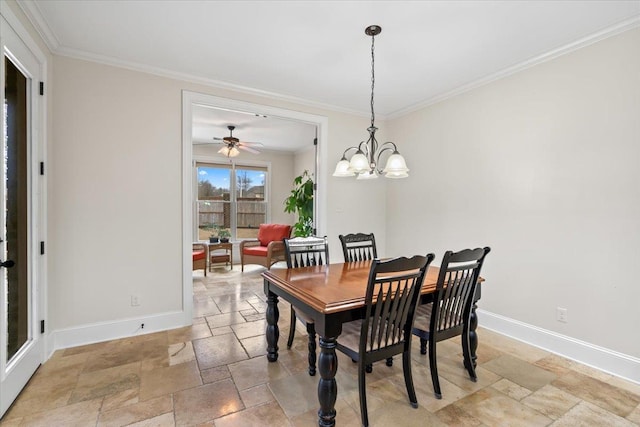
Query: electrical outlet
point(135, 301)
point(561, 315)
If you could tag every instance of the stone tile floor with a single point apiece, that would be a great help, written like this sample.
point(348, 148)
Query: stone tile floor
point(215, 373)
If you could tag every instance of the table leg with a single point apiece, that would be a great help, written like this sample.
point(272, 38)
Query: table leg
point(273, 332)
point(327, 387)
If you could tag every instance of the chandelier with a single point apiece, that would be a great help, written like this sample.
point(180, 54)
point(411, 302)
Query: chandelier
point(364, 162)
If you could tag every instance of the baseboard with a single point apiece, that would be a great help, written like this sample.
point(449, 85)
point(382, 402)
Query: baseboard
point(98, 332)
point(612, 362)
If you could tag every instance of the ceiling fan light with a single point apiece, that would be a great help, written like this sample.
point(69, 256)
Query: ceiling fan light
point(342, 168)
point(229, 151)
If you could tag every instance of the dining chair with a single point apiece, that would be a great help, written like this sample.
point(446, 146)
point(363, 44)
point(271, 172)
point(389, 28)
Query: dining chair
point(449, 313)
point(305, 252)
point(358, 247)
point(392, 293)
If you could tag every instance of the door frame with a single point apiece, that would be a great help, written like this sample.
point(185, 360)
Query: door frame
point(37, 209)
point(188, 99)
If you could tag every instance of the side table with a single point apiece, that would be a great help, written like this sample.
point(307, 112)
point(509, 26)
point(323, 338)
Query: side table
point(226, 258)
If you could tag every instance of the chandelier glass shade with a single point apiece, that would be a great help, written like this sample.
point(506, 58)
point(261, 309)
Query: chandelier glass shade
point(364, 163)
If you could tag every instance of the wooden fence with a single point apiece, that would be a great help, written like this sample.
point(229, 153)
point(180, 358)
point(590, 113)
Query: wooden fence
point(250, 213)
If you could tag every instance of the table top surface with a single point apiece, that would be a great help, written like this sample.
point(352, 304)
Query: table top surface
point(334, 287)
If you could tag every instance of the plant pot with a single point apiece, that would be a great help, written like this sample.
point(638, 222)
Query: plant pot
point(213, 240)
point(224, 240)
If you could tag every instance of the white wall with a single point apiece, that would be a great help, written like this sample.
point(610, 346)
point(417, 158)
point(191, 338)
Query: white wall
point(304, 160)
point(115, 195)
point(542, 166)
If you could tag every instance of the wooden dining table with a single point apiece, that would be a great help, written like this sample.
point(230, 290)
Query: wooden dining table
point(332, 295)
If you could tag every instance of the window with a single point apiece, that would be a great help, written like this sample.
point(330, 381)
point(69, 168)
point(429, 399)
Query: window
point(231, 197)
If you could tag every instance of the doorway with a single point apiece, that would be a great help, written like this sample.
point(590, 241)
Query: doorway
point(192, 101)
point(21, 216)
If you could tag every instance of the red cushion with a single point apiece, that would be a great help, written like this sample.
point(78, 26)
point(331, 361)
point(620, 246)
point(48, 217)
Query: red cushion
point(199, 255)
point(255, 250)
point(268, 233)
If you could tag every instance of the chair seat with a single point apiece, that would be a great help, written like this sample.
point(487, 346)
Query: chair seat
point(256, 250)
point(302, 316)
point(198, 255)
point(423, 316)
point(350, 336)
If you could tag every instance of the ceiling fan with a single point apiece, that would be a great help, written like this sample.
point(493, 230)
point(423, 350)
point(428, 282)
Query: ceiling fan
point(232, 145)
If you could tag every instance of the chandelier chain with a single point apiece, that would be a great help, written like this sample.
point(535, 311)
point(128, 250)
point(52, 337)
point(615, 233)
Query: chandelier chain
point(373, 78)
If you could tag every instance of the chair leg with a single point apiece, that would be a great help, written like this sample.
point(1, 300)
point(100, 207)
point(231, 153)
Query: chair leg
point(292, 328)
point(408, 378)
point(433, 365)
point(423, 346)
point(466, 351)
point(390, 361)
point(362, 391)
point(311, 330)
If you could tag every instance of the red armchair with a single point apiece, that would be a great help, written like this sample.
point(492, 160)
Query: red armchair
point(268, 248)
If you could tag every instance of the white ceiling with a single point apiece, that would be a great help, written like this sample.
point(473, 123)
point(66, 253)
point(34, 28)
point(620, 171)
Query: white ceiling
point(316, 52)
point(274, 133)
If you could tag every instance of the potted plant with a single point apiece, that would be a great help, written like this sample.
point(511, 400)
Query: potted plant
point(224, 235)
point(215, 230)
point(300, 202)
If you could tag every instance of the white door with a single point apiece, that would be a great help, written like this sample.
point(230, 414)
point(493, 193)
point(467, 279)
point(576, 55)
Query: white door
point(21, 343)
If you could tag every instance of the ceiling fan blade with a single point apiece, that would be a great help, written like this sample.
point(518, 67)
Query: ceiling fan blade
point(251, 144)
point(215, 138)
point(207, 143)
point(245, 148)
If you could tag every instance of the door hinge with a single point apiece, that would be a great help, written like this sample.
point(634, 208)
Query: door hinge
point(41, 88)
point(41, 248)
point(42, 326)
point(41, 168)
point(315, 186)
point(315, 141)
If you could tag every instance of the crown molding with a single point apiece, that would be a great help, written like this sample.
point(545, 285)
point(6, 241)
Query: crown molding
point(611, 31)
point(162, 72)
point(34, 14)
point(31, 9)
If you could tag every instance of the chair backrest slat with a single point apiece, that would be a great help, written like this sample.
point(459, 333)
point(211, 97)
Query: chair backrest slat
point(306, 251)
point(392, 293)
point(457, 282)
point(358, 247)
